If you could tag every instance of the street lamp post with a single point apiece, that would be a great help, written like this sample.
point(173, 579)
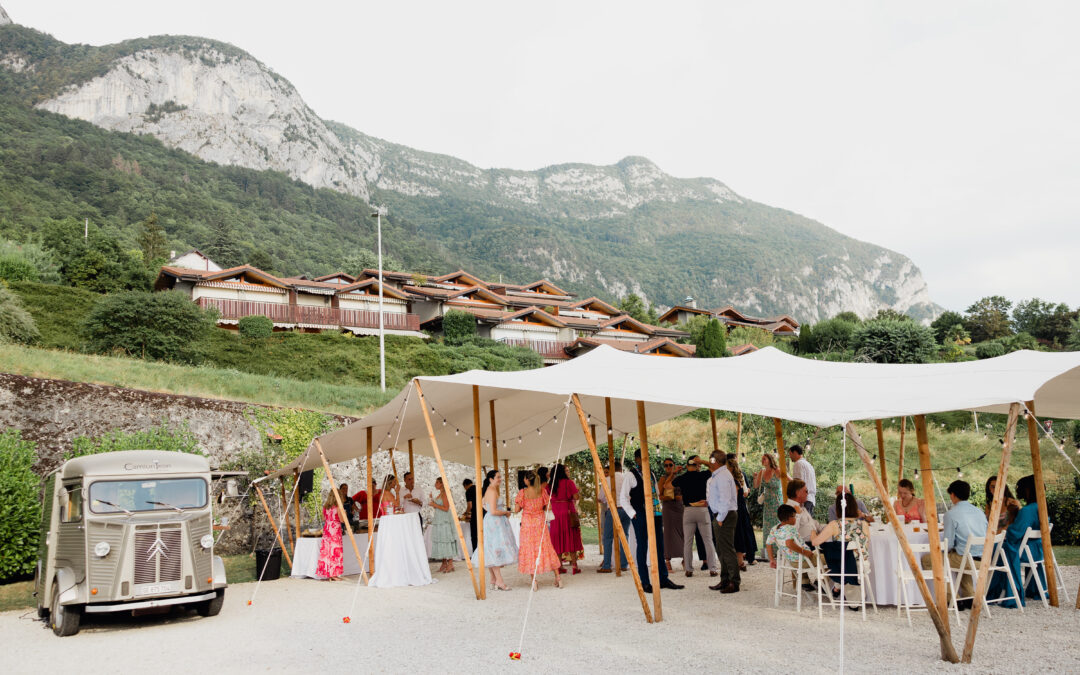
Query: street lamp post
point(382, 332)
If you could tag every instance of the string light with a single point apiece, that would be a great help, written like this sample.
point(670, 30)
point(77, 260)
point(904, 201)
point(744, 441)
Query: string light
point(519, 440)
point(959, 473)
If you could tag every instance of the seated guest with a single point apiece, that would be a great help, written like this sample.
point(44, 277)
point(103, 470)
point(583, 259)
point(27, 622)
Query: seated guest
point(832, 541)
point(1009, 507)
point(805, 524)
point(963, 523)
point(359, 500)
point(784, 540)
point(1027, 517)
point(864, 513)
point(907, 504)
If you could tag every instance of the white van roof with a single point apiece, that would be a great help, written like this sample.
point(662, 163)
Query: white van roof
point(135, 462)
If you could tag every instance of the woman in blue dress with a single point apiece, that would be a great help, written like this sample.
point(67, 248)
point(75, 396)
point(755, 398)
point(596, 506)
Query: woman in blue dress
point(1027, 517)
point(499, 545)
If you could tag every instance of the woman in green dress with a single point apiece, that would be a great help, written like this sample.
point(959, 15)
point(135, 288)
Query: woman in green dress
point(444, 544)
point(767, 482)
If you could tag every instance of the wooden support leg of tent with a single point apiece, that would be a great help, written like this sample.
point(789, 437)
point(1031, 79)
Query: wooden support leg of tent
point(612, 506)
point(715, 434)
point(506, 482)
point(738, 437)
point(599, 518)
point(903, 430)
point(991, 532)
point(881, 452)
point(930, 504)
point(341, 511)
point(412, 466)
point(285, 513)
point(1044, 517)
point(370, 508)
point(781, 454)
point(615, 545)
point(650, 520)
point(495, 456)
point(296, 501)
point(479, 496)
point(948, 652)
point(449, 492)
point(277, 533)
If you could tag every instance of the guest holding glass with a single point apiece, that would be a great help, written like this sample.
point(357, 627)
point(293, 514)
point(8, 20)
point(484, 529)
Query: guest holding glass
point(499, 546)
point(672, 507)
point(907, 505)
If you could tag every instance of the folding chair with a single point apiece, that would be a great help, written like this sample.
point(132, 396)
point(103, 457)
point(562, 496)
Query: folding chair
point(904, 574)
point(786, 572)
point(969, 567)
point(861, 572)
point(1030, 568)
point(1000, 564)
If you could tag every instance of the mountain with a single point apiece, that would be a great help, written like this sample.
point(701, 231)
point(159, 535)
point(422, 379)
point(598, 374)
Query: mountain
point(605, 230)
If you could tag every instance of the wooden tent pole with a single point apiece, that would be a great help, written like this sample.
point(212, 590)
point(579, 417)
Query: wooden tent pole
point(650, 524)
point(479, 496)
point(277, 534)
point(412, 466)
point(612, 507)
point(615, 545)
point(285, 512)
point(738, 439)
point(506, 483)
point(296, 501)
point(991, 532)
point(449, 492)
point(715, 435)
point(881, 452)
point(930, 505)
point(1044, 517)
point(370, 508)
point(781, 454)
point(495, 454)
point(903, 430)
point(341, 511)
point(599, 518)
point(948, 652)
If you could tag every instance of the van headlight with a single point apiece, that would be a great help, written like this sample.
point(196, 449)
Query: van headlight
point(207, 541)
point(101, 549)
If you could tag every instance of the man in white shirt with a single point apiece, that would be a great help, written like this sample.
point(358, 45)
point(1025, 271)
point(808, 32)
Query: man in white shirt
point(722, 495)
point(805, 524)
point(804, 471)
point(412, 500)
point(624, 482)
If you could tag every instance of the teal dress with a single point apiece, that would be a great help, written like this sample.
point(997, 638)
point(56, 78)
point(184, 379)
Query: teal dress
point(771, 490)
point(999, 585)
point(444, 543)
point(500, 547)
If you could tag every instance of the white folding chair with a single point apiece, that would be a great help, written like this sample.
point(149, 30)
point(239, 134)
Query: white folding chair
point(861, 572)
point(968, 567)
point(786, 572)
point(905, 574)
point(998, 563)
point(1030, 567)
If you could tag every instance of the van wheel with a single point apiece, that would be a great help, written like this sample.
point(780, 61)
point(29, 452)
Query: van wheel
point(211, 607)
point(64, 619)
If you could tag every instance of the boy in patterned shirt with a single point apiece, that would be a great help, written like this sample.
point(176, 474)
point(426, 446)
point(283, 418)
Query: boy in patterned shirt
point(784, 539)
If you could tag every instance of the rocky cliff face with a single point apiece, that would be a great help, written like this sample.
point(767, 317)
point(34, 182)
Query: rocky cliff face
point(226, 107)
point(4, 18)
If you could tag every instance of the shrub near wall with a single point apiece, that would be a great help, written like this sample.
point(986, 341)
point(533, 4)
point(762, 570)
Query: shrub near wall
point(255, 326)
point(20, 508)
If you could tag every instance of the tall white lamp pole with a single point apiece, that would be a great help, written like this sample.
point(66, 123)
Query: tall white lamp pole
point(382, 332)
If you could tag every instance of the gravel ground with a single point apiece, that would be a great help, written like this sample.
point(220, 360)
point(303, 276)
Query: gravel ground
point(594, 623)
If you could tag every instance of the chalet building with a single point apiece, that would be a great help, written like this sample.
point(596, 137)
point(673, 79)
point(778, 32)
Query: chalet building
point(780, 326)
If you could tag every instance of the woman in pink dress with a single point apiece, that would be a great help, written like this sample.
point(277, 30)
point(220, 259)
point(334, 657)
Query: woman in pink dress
point(532, 501)
point(566, 528)
point(330, 564)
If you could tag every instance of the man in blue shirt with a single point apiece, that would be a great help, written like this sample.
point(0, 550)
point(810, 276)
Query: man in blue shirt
point(963, 522)
point(722, 494)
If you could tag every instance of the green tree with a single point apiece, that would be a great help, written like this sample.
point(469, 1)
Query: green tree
point(695, 326)
point(166, 326)
point(832, 335)
point(850, 317)
point(261, 260)
point(16, 324)
point(152, 242)
point(635, 307)
point(807, 343)
point(1030, 316)
point(222, 247)
point(892, 341)
point(988, 318)
point(712, 344)
point(255, 326)
point(1072, 341)
point(20, 510)
point(458, 326)
point(944, 323)
point(759, 337)
point(14, 267)
point(364, 259)
point(890, 314)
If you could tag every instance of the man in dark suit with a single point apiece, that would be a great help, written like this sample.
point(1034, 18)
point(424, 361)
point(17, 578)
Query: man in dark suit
point(641, 532)
point(470, 508)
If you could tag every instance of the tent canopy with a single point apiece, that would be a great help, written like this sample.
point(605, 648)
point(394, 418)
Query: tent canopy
point(533, 414)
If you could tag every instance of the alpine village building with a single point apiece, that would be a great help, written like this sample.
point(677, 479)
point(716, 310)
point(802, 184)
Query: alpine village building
point(540, 316)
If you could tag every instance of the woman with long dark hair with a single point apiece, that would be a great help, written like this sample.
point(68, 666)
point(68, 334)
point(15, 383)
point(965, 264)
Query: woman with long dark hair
point(745, 542)
point(566, 528)
point(1010, 505)
point(499, 545)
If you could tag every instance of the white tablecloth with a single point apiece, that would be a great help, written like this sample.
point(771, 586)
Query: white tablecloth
point(306, 558)
point(400, 557)
point(883, 551)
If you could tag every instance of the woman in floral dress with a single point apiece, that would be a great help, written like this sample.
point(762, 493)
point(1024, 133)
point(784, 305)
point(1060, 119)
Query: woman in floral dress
point(566, 528)
point(532, 501)
point(833, 547)
point(330, 563)
point(767, 480)
point(499, 546)
point(444, 543)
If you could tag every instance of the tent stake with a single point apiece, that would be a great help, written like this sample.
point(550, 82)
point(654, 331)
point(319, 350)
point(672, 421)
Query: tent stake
point(370, 507)
point(930, 502)
point(615, 545)
point(1044, 517)
point(277, 534)
point(446, 484)
point(612, 508)
point(341, 511)
point(479, 497)
point(881, 452)
point(991, 532)
point(650, 519)
point(948, 652)
point(781, 453)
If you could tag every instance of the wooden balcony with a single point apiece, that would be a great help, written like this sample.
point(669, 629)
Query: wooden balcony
point(313, 316)
point(549, 349)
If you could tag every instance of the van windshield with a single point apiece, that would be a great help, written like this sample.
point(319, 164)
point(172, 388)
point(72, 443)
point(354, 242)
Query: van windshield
point(157, 494)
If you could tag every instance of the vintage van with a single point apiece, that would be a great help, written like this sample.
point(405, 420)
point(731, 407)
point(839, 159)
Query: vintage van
point(124, 531)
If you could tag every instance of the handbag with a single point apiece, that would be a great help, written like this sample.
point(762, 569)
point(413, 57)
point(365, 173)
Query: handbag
point(575, 521)
point(549, 515)
point(761, 498)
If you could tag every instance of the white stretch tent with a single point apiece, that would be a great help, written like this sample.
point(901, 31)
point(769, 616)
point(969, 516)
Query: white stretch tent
point(531, 406)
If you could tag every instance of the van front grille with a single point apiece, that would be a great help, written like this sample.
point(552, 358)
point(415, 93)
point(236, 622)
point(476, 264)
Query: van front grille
point(158, 554)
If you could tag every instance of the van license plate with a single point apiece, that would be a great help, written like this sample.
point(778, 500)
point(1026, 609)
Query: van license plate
point(155, 589)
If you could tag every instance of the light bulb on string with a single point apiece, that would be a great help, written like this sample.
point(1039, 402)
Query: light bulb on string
point(444, 423)
point(959, 473)
point(916, 474)
point(519, 440)
point(487, 444)
point(456, 431)
point(538, 432)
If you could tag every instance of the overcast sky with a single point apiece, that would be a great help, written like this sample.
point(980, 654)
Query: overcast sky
point(947, 131)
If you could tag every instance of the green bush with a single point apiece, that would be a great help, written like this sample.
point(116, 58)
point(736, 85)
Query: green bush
point(712, 344)
point(160, 437)
point(20, 507)
point(458, 326)
point(256, 326)
point(166, 326)
point(16, 324)
point(893, 341)
point(16, 268)
point(988, 350)
point(33, 253)
point(832, 335)
point(1064, 508)
point(58, 311)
